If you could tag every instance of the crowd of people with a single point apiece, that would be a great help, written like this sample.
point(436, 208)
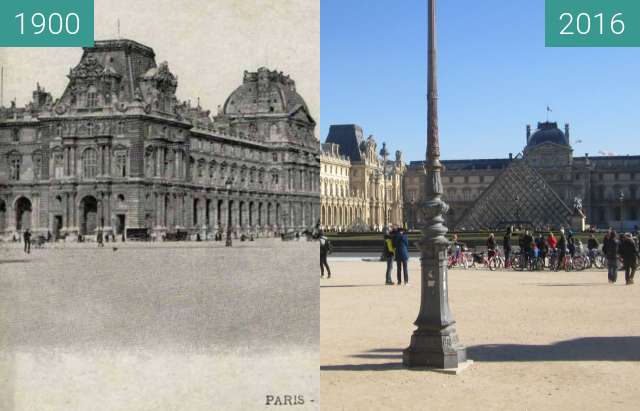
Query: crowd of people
point(543, 248)
point(615, 248)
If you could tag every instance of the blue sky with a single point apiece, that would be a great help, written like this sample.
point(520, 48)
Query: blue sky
point(495, 76)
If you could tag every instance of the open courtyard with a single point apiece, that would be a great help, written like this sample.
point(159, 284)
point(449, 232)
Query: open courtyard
point(540, 341)
point(164, 326)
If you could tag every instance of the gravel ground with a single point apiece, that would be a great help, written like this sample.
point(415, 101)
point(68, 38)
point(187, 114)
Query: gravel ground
point(540, 341)
point(192, 326)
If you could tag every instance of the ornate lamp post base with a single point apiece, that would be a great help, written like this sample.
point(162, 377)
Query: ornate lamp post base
point(434, 343)
point(434, 350)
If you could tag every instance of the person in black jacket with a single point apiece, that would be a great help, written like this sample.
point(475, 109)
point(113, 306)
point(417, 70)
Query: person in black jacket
point(526, 247)
point(592, 246)
point(325, 250)
point(610, 250)
point(629, 253)
point(506, 245)
point(562, 250)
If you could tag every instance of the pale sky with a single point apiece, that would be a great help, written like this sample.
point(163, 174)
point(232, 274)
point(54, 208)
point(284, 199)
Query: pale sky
point(208, 44)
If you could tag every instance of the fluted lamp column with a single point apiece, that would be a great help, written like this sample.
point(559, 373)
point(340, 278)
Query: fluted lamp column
point(434, 343)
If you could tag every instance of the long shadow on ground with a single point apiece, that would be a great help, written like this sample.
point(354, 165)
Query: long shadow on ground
point(579, 349)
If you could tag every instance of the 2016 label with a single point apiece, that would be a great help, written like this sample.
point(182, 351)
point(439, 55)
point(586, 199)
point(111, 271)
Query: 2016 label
point(592, 23)
point(582, 24)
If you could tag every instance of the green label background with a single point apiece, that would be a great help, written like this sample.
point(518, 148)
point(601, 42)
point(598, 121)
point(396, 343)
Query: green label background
point(630, 16)
point(10, 25)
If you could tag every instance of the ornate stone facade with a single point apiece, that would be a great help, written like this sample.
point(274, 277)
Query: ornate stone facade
point(118, 151)
point(597, 181)
point(352, 184)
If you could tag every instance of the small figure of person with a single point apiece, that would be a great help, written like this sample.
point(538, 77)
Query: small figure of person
point(593, 246)
point(525, 242)
point(610, 249)
point(491, 246)
point(543, 246)
point(325, 250)
point(27, 241)
point(629, 253)
point(229, 241)
point(571, 244)
point(99, 238)
point(389, 254)
point(401, 244)
point(506, 245)
point(562, 246)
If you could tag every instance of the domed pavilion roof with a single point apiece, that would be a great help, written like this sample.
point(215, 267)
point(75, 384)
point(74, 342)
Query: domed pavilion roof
point(548, 132)
point(263, 92)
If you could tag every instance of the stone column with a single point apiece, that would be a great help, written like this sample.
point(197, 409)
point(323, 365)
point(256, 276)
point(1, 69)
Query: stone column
point(100, 221)
point(235, 213)
point(108, 154)
point(74, 171)
point(74, 209)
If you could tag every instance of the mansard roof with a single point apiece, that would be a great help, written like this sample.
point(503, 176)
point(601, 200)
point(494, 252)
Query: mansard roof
point(349, 138)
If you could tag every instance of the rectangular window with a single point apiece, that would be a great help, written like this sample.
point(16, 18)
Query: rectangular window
point(92, 99)
point(14, 165)
point(121, 164)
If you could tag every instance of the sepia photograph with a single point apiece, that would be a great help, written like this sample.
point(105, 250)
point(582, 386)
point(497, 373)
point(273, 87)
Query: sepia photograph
point(159, 211)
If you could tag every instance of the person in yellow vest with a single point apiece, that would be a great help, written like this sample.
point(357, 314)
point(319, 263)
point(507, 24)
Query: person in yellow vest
point(389, 254)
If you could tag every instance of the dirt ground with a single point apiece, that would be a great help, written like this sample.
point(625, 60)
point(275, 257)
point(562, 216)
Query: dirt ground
point(171, 326)
point(540, 341)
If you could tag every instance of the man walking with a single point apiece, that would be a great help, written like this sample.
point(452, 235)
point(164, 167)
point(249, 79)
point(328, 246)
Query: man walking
point(401, 244)
point(27, 241)
point(610, 250)
point(389, 254)
point(325, 249)
point(629, 253)
point(99, 238)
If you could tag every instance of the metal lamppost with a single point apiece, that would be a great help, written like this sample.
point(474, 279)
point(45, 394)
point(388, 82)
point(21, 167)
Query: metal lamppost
point(435, 342)
point(621, 198)
point(385, 154)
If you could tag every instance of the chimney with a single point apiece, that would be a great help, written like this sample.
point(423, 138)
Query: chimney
point(510, 156)
point(566, 132)
point(528, 133)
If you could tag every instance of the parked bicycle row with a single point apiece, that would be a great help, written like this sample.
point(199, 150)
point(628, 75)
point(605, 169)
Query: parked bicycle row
point(540, 252)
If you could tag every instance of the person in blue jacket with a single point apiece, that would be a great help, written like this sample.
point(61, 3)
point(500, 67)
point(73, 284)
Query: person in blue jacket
point(401, 244)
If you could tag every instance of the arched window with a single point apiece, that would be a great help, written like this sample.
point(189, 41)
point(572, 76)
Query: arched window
point(90, 163)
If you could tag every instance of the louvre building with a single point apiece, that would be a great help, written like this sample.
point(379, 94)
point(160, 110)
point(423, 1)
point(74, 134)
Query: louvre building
point(118, 151)
point(538, 187)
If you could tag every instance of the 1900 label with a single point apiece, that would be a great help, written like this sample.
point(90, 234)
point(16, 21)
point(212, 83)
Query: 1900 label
point(592, 23)
point(46, 23)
